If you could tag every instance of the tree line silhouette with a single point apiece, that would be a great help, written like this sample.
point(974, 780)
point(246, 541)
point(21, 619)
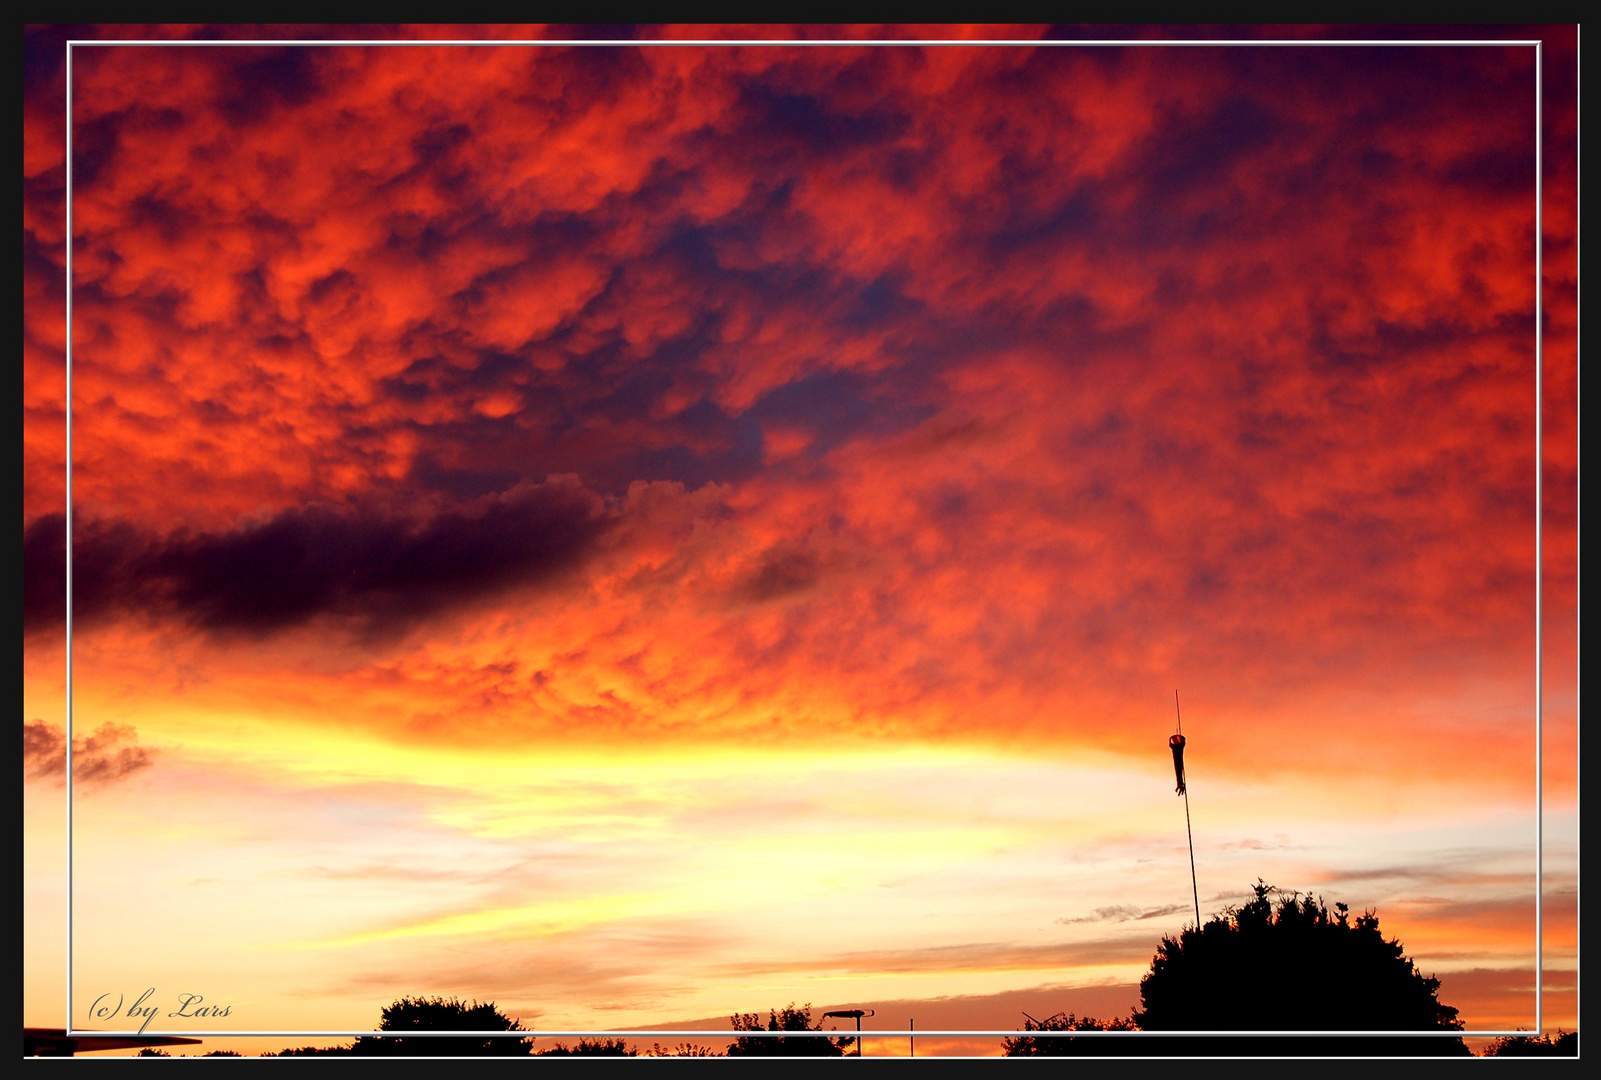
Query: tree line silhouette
point(452, 1014)
point(1278, 963)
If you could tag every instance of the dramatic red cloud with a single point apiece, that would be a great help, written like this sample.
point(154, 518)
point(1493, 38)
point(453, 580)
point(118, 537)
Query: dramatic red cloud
point(1205, 360)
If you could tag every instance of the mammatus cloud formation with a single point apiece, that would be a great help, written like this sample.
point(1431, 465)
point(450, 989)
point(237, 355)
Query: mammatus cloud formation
point(110, 754)
point(986, 416)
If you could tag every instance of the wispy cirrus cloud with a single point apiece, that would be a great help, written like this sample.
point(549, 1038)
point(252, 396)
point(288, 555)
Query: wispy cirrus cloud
point(1124, 913)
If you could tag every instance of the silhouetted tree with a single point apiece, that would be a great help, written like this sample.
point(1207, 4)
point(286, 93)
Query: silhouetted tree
point(683, 1049)
point(603, 1047)
point(439, 1014)
point(314, 1051)
point(1565, 1044)
point(789, 1018)
point(1067, 1046)
point(1292, 967)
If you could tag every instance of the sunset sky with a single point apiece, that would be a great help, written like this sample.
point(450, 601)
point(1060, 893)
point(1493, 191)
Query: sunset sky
point(642, 533)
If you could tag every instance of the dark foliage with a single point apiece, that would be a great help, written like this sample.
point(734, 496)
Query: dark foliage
point(601, 1047)
point(1292, 966)
point(789, 1018)
point(1564, 1044)
point(683, 1049)
point(1068, 1046)
point(440, 1014)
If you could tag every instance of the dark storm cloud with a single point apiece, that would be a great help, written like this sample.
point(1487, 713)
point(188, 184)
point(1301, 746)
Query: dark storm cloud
point(44, 573)
point(383, 571)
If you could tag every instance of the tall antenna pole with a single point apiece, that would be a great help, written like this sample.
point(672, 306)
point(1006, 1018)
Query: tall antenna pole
point(1194, 889)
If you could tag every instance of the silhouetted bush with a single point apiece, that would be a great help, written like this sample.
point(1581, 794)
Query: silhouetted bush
point(683, 1049)
point(789, 1018)
point(1565, 1044)
point(438, 1014)
point(1291, 966)
point(1067, 1046)
point(604, 1047)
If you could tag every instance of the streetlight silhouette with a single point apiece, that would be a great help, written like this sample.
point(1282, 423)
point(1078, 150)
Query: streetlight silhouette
point(857, 1015)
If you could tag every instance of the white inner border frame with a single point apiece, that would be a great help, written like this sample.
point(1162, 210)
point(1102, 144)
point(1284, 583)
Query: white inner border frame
point(1539, 511)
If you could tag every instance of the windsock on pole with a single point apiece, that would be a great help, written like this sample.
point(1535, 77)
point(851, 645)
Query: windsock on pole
point(1176, 744)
